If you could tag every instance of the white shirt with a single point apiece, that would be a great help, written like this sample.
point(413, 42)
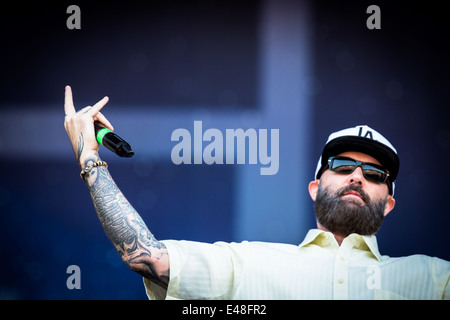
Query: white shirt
point(318, 268)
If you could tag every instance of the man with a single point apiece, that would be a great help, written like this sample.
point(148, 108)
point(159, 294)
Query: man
point(352, 193)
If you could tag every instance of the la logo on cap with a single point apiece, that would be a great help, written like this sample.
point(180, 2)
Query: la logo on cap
point(368, 133)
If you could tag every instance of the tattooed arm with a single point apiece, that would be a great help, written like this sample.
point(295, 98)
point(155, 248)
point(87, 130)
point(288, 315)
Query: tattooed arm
point(135, 244)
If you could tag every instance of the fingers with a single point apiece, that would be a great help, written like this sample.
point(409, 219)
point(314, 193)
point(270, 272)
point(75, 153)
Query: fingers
point(100, 117)
point(97, 115)
point(69, 108)
point(98, 106)
point(93, 111)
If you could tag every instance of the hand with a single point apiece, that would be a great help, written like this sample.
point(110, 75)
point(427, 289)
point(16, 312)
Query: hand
point(80, 126)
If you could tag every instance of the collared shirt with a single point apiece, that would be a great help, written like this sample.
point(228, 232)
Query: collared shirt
point(318, 268)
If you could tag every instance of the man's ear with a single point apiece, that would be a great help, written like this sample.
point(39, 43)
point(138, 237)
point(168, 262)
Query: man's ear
point(390, 204)
point(313, 188)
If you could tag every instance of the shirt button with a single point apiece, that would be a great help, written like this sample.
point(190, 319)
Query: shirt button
point(342, 259)
point(341, 281)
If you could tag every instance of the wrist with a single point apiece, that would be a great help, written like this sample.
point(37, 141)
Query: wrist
point(88, 158)
point(91, 165)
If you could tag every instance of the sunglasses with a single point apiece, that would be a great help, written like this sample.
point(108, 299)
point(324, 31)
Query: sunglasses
point(371, 171)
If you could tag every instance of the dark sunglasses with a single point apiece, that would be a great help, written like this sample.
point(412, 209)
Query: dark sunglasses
point(371, 171)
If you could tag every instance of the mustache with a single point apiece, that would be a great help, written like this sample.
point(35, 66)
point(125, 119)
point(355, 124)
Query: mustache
point(353, 187)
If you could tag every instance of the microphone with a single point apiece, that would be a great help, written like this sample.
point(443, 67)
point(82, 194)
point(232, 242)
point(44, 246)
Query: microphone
point(112, 141)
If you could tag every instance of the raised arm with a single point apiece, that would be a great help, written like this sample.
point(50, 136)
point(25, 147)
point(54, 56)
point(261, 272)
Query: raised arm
point(135, 244)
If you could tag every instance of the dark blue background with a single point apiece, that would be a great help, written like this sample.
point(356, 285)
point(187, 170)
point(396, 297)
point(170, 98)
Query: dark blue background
point(394, 79)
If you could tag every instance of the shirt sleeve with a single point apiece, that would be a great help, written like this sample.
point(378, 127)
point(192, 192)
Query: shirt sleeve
point(201, 271)
point(441, 274)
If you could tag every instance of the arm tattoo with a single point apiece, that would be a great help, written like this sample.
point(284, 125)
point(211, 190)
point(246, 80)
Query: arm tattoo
point(135, 244)
point(80, 146)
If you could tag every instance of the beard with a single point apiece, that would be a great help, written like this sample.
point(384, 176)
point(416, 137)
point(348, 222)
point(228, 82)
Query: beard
point(345, 216)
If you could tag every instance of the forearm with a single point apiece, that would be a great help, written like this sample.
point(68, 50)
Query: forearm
point(137, 247)
point(135, 244)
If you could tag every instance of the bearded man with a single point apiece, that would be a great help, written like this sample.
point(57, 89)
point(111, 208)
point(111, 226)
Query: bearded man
point(352, 192)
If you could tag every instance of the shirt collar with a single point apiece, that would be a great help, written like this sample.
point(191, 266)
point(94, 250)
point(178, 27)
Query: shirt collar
point(323, 239)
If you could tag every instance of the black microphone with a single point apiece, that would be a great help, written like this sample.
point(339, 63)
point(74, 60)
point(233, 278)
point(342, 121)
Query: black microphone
point(112, 141)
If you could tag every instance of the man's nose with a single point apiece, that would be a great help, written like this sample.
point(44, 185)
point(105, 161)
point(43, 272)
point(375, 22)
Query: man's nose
point(356, 177)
